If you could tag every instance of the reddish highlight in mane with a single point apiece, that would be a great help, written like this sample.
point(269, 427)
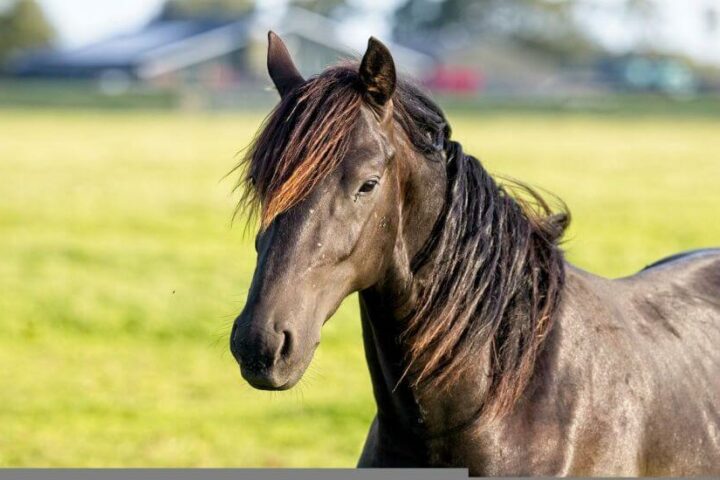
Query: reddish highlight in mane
point(303, 139)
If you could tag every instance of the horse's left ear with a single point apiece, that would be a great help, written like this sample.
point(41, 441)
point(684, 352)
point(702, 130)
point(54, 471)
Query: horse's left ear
point(282, 70)
point(377, 72)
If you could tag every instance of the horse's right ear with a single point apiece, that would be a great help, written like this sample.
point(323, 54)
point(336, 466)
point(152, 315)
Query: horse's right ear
point(377, 72)
point(282, 70)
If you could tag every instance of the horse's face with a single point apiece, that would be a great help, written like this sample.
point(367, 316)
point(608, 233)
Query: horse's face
point(338, 240)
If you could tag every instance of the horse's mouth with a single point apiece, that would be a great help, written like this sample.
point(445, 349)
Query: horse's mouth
point(267, 379)
point(277, 377)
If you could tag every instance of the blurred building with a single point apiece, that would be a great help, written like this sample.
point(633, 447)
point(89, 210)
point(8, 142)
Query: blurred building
point(163, 51)
point(516, 49)
point(208, 53)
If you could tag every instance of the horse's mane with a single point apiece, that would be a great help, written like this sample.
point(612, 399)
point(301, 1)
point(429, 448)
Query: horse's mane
point(493, 266)
point(495, 278)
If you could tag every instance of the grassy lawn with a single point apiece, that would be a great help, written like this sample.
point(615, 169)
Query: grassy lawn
point(120, 274)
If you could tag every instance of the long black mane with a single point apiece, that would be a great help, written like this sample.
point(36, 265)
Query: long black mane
point(494, 267)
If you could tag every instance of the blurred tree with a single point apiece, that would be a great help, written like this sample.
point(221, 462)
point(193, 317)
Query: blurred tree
point(551, 26)
point(24, 26)
point(183, 9)
point(328, 8)
point(642, 8)
point(645, 14)
point(418, 15)
point(712, 20)
point(546, 25)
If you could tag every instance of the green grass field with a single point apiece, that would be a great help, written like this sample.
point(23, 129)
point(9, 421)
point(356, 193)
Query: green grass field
point(120, 275)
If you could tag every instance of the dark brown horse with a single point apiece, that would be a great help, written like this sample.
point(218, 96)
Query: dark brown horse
point(486, 349)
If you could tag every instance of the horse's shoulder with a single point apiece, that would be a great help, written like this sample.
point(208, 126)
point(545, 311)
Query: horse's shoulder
point(586, 297)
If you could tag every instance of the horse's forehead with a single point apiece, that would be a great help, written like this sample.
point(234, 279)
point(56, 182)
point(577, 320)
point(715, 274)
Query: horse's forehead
point(368, 135)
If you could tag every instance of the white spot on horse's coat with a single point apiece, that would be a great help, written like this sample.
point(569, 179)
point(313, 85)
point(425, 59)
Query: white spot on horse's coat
point(319, 245)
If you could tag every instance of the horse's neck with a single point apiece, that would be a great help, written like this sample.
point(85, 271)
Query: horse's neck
point(384, 307)
point(395, 400)
point(412, 420)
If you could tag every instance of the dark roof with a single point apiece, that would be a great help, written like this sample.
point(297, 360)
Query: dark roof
point(123, 52)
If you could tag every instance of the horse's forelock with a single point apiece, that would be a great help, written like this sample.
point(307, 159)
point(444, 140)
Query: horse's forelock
point(301, 142)
point(307, 134)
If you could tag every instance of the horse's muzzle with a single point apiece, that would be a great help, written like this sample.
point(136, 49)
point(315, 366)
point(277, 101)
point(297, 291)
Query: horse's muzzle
point(263, 354)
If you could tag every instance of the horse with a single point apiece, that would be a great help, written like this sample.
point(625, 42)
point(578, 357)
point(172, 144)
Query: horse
point(486, 349)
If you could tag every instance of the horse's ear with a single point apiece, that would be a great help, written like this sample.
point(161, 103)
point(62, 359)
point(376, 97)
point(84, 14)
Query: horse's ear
point(282, 70)
point(377, 72)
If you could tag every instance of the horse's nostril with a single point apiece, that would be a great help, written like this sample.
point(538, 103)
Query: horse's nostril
point(287, 344)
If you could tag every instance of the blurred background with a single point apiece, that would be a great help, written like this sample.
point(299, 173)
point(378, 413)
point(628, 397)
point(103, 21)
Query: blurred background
point(209, 54)
point(121, 271)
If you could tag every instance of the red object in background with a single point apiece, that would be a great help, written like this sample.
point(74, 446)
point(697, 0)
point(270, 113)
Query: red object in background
point(456, 79)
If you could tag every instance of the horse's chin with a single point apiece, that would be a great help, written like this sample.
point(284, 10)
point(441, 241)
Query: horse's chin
point(272, 387)
point(278, 379)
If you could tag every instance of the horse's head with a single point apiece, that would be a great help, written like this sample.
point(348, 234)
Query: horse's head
point(329, 172)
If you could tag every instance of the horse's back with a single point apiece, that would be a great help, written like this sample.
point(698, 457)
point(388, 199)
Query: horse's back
point(688, 256)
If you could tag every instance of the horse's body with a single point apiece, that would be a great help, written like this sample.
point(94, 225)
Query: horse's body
point(628, 384)
point(486, 349)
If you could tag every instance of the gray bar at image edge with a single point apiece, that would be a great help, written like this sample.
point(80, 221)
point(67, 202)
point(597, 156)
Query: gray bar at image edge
point(230, 474)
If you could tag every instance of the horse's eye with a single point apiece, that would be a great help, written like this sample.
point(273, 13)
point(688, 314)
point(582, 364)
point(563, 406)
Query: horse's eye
point(368, 186)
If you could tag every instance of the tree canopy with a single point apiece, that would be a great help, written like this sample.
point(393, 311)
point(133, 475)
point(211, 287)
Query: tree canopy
point(24, 26)
point(181, 9)
point(328, 8)
point(542, 24)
